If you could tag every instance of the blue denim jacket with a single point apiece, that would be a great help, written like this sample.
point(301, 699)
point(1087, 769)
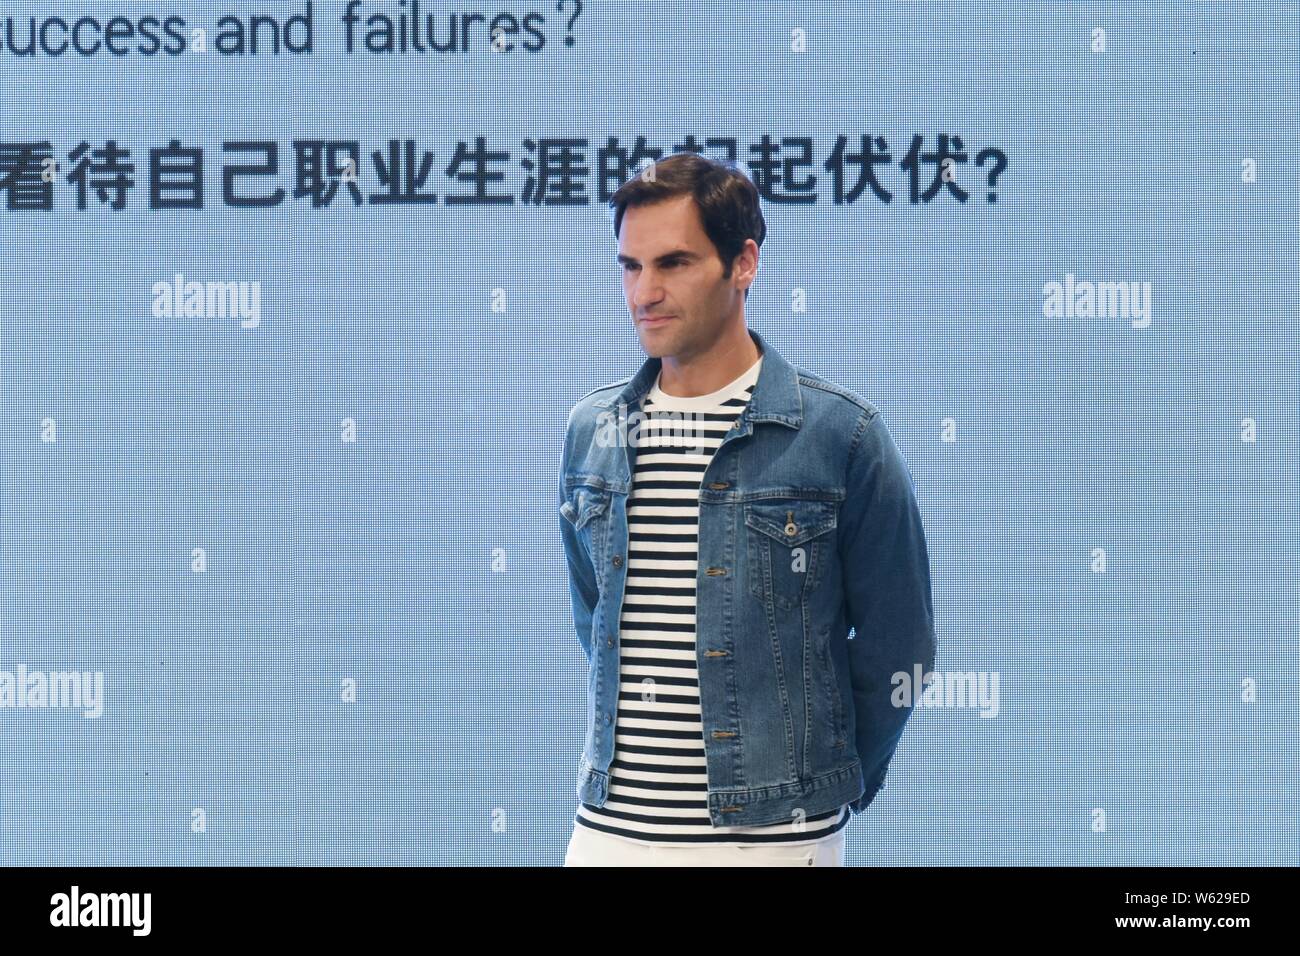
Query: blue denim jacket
point(808, 525)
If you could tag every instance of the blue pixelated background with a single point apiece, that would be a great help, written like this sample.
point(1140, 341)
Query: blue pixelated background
point(423, 561)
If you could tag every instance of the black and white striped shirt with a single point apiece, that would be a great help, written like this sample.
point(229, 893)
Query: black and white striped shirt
point(658, 787)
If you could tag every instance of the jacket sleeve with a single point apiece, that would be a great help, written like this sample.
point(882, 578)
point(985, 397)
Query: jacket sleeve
point(886, 571)
point(583, 592)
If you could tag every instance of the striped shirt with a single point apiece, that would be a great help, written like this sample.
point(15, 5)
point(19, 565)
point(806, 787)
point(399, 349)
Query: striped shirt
point(658, 785)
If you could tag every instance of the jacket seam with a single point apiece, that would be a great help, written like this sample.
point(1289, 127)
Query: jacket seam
point(601, 388)
point(863, 421)
point(830, 388)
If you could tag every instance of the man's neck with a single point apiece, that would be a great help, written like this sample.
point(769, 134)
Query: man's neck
point(704, 374)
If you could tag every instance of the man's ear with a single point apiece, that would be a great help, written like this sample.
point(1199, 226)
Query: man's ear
point(754, 274)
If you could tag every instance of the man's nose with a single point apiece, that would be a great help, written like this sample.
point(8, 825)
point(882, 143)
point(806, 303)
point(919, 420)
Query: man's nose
point(647, 290)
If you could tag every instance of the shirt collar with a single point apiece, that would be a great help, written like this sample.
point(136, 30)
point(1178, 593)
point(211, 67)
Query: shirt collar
point(775, 398)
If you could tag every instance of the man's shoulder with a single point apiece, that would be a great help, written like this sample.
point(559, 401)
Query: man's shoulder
point(595, 392)
point(823, 395)
point(583, 410)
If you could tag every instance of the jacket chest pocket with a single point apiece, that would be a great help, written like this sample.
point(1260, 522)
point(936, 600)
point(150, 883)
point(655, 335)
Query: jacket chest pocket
point(787, 539)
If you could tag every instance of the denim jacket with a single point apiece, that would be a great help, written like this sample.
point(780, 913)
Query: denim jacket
point(808, 526)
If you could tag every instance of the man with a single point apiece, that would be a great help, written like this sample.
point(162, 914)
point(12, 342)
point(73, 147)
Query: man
point(727, 517)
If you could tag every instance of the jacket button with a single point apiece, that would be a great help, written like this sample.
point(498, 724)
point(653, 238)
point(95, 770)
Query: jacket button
point(618, 560)
point(609, 642)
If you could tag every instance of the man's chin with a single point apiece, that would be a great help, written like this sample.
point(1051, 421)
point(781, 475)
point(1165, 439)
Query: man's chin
point(654, 346)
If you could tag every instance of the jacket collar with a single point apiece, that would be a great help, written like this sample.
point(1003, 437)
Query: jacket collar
point(775, 398)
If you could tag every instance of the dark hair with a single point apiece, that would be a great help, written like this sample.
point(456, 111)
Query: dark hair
point(726, 198)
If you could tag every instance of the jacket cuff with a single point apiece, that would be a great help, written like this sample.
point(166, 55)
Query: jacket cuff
point(868, 795)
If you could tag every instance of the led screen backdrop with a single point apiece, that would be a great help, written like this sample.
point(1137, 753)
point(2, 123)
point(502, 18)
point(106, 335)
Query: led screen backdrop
point(296, 298)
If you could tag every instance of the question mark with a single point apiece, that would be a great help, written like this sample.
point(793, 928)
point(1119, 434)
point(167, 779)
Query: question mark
point(568, 40)
point(1000, 163)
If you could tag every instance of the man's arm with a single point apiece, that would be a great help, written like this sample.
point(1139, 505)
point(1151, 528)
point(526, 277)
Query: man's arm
point(583, 593)
point(887, 590)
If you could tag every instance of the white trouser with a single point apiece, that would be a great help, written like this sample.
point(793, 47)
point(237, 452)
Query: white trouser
point(588, 847)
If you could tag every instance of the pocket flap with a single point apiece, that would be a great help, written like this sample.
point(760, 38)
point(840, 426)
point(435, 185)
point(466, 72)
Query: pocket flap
point(585, 505)
point(791, 521)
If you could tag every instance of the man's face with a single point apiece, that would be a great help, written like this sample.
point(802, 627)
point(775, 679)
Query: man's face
point(670, 268)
